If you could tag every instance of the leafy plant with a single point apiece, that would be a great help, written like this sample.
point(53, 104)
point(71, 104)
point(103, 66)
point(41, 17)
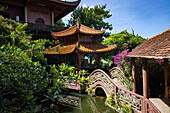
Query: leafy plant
point(126, 108)
point(122, 62)
point(122, 40)
point(25, 76)
point(110, 100)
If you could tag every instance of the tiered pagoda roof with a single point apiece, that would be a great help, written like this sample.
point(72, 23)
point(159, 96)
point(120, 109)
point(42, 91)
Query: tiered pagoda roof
point(157, 47)
point(83, 47)
point(85, 41)
point(78, 28)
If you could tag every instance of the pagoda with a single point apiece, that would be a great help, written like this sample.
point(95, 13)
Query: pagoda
point(78, 42)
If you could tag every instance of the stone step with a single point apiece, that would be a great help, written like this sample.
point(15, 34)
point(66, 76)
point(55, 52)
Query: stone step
point(161, 104)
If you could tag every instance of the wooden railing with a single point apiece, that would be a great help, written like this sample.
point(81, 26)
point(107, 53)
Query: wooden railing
point(138, 102)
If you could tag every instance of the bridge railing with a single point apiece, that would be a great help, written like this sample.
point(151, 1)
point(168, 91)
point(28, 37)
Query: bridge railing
point(138, 102)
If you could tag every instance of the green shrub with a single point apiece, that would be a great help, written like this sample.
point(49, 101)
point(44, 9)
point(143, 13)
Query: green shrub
point(27, 83)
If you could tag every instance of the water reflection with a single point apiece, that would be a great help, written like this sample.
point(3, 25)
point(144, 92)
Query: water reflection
point(86, 104)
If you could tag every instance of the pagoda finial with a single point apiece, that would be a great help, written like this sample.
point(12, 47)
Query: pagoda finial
point(78, 23)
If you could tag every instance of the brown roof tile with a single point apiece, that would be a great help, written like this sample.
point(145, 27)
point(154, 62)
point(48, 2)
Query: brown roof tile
point(78, 28)
point(86, 47)
point(94, 47)
point(156, 47)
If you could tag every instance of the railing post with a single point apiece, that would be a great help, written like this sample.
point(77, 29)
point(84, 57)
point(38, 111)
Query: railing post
point(115, 93)
point(144, 106)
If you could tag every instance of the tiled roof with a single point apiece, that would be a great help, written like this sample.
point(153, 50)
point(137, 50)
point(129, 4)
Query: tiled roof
point(156, 47)
point(78, 28)
point(87, 47)
point(67, 2)
point(94, 47)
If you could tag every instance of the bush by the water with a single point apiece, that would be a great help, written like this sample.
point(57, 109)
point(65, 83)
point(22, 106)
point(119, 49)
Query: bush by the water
point(27, 83)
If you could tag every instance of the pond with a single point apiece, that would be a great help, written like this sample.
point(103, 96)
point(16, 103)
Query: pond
point(83, 103)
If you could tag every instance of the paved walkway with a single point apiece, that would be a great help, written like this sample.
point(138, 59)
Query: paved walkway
point(162, 104)
point(120, 84)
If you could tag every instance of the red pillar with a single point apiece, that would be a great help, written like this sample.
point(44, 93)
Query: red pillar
point(145, 78)
point(166, 76)
point(134, 74)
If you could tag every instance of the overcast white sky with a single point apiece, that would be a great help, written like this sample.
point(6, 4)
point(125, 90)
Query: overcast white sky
point(146, 17)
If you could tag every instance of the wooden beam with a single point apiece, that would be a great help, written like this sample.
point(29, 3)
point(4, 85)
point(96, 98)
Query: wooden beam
point(145, 77)
point(134, 74)
point(166, 76)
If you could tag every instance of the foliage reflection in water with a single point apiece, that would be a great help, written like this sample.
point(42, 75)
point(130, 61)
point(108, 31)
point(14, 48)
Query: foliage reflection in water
point(86, 104)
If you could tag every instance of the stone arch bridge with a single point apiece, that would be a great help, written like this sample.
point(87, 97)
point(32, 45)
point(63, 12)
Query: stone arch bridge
point(110, 84)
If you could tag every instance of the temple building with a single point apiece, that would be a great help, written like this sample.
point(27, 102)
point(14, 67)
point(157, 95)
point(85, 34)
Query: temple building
point(78, 44)
point(36, 11)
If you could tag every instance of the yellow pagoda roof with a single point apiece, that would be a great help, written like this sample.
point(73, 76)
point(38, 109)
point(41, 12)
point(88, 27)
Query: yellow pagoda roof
point(94, 47)
point(87, 47)
point(78, 28)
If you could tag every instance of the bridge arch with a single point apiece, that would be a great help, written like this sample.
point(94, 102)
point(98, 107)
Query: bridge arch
point(99, 91)
point(101, 81)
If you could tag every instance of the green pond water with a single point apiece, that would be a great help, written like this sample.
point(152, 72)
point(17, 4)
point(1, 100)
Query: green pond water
point(83, 103)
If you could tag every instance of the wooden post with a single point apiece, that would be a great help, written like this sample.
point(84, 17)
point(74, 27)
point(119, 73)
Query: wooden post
point(166, 76)
point(143, 106)
point(134, 74)
point(145, 78)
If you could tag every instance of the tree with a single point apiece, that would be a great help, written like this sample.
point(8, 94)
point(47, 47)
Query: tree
point(92, 17)
point(60, 23)
point(25, 76)
point(124, 40)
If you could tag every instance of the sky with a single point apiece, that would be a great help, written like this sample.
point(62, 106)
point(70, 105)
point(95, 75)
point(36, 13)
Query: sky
point(146, 17)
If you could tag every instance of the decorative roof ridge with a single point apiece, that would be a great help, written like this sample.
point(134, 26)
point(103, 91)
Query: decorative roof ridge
point(77, 28)
point(158, 35)
point(74, 3)
point(91, 28)
point(60, 32)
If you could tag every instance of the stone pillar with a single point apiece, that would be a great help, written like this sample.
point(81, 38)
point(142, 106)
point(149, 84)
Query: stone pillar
point(134, 74)
point(97, 57)
point(145, 77)
point(26, 13)
point(80, 57)
point(166, 76)
point(52, 18)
